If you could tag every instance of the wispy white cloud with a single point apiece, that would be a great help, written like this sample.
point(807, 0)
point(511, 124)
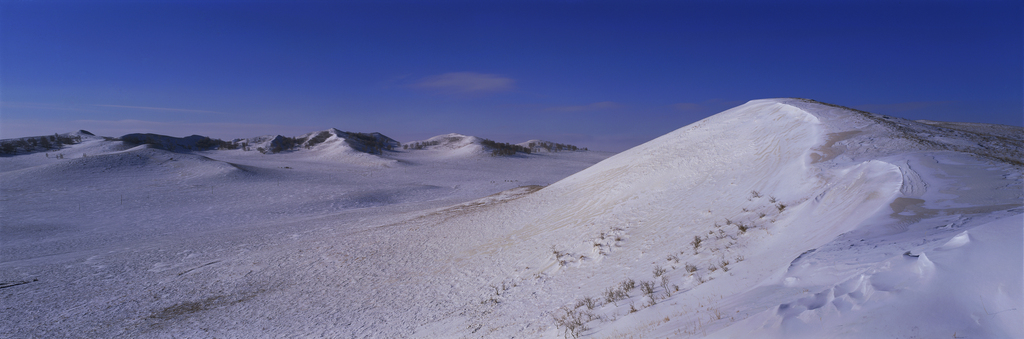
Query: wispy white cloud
point(466, 83)
point(161, 109)
point(583, 108)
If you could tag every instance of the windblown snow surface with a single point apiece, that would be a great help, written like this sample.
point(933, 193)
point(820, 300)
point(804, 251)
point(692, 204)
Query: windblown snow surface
point(779, 218)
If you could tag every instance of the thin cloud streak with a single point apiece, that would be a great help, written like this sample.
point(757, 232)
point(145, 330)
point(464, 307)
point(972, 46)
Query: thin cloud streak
point(466, 83)
point(161, 109)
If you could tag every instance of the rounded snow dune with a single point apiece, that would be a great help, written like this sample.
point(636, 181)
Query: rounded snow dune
point(682, 184)
point(336, 148)
point(761, 209)
point(139, 161)
point(450, 146)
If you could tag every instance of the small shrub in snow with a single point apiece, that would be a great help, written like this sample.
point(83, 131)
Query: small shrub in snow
point(673, 258)
point(574, 322)
point(755, 194)
point(781, 207)
point(563, 258)
point(613, 295)
point(696, 243)
point(743, 228)
point(589, 302)
point(505, 286)
point(609, 295)
point(772, 199)
point(658, 271)
point(627, 285)
point(691, 268)
point(724, 265)
point(647, 287)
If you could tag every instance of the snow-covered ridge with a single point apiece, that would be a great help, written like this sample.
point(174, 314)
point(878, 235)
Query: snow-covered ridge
point(173, 144)
point(454, 144)
point(998, 142)
point(779, 218)
point(42, 143)
point(757, 222)
point(450, 141)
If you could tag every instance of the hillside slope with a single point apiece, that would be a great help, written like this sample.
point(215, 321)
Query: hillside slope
point(778, 218)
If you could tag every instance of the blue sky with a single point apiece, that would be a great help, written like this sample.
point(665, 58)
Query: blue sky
point(601, 74)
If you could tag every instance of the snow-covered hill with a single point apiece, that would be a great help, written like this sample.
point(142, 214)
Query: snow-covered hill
point(43, 143)
point(778, 218)
point(450, 145)
point(458, 145)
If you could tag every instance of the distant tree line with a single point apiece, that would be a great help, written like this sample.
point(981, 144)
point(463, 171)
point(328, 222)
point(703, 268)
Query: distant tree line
point(554, 147)
point(191, 143)
point(421, 144)
point(503, 149)
point(35, 144)
point(210, 143)
point(315, 140)
point(374, 143)
point(281, 144)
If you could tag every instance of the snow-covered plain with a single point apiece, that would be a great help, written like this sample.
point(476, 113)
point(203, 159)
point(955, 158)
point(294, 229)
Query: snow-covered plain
point(778, 218)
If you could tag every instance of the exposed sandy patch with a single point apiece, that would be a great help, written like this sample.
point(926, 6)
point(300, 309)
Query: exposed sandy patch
point(828, 152)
